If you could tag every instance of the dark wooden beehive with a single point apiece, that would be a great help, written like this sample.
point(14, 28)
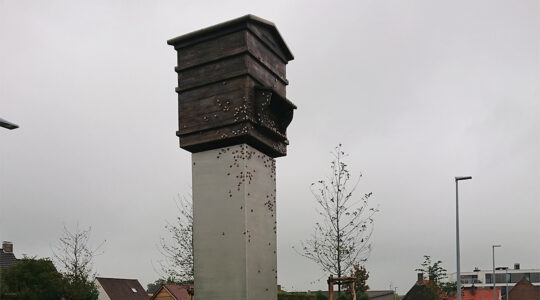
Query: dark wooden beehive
point(231, 87)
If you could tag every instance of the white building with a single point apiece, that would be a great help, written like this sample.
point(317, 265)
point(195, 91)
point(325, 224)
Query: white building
point(503, 277)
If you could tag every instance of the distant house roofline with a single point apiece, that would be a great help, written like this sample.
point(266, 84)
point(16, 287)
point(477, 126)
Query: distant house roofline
point(122, 289)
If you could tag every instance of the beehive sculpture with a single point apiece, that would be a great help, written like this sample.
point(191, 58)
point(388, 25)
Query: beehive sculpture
point(233, 117)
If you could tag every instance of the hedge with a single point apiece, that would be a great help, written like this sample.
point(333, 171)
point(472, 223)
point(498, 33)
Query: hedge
point(296, 296)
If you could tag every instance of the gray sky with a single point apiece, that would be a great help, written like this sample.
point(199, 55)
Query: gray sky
point(417, 91)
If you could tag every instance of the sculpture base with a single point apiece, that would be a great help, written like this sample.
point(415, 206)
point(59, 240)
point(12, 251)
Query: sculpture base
point(234, 224)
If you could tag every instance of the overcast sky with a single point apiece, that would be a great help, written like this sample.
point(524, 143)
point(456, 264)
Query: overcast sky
point(417, 91)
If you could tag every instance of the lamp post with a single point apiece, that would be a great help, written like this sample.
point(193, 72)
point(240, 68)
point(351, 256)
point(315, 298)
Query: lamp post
point(7, 124)
point(506, 279)
point(493, 278)
point(457, 236)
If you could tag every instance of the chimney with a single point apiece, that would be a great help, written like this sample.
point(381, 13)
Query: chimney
point(420, 277)
point(516, 266)
point(7, 247)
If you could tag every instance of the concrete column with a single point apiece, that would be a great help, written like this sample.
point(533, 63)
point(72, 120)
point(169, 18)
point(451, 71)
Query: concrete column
point(234, 202)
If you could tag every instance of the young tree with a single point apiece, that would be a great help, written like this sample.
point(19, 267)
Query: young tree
point(178, 251)
point(74, 256)
point(361, 276)
point(437, 274)
point(433, 270)
point(342, 238)
point(360, 283)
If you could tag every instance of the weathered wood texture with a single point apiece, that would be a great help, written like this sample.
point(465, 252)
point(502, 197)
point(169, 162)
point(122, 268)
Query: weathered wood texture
point(232, 87)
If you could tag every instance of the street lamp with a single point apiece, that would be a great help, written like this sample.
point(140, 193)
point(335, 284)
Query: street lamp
point(506, 279)
point(457, 236)
point(493, 278)
point(7, 124)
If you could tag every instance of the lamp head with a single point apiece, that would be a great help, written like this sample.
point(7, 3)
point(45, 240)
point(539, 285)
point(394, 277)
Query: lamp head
point(463, 178)
point(7, 124)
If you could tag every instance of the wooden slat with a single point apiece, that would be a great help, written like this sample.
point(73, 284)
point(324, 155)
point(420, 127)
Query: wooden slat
point(210, 73)
point(264, 78)
point(266, 56)
point(212, 50)
point(269, 38)
point(233, 135)
point(217, 88)
point(203, 110)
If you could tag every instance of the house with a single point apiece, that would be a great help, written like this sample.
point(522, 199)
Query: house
point(504, 277)
point(7, 258)
point(372, 294)
point(428, 290)
point(523, 289)
point(381, 295)
point(425, 290)
point(477, 294)
point(174, 292)
point(120, 289)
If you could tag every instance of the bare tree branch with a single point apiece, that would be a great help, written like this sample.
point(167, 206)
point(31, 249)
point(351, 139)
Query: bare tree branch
point(178, 248)
point(74, 256)
point(342, 238)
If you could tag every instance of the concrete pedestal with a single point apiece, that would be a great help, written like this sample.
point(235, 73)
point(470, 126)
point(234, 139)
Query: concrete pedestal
point(234, 224)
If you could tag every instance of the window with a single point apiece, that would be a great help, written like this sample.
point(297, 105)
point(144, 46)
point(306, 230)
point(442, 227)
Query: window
point(134, 290)
point(535, 277)
point(469, 279)
point(500, 277)
point(517, 277)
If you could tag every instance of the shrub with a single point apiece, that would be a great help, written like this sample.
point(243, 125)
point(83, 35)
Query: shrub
point(296, 296)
